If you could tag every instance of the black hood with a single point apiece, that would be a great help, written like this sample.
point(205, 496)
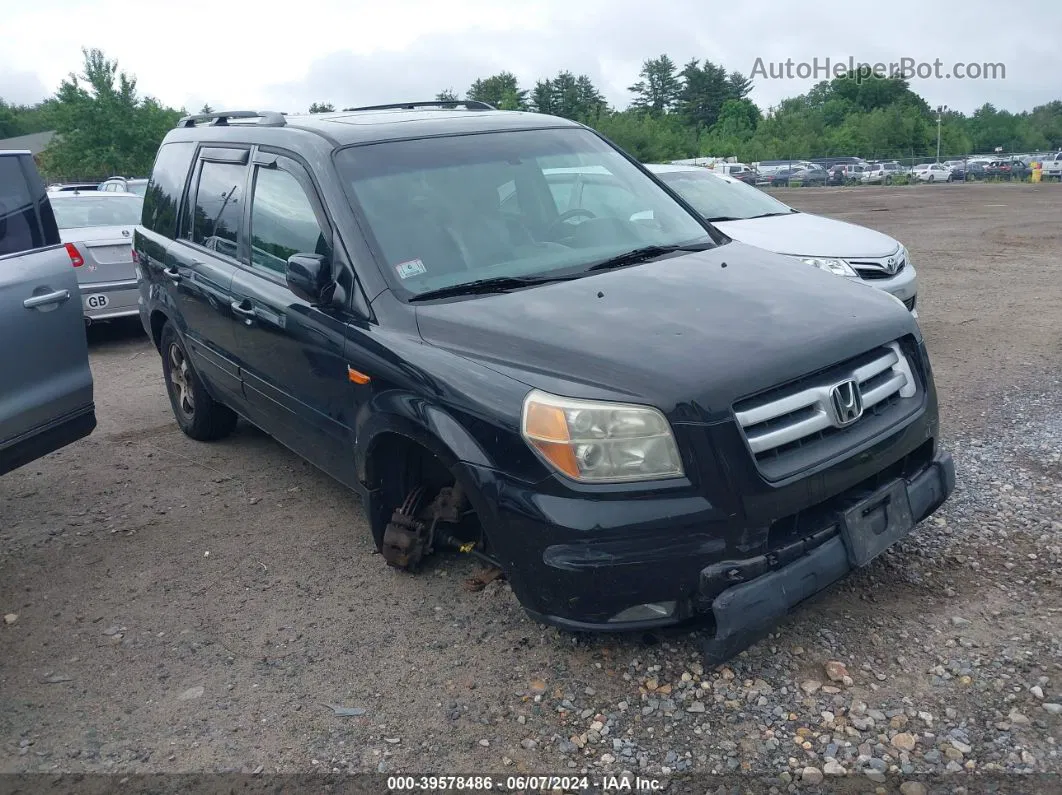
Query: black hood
point(706, 327)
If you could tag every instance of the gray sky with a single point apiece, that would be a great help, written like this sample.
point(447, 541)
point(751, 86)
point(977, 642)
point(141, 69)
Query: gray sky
point(236, 54)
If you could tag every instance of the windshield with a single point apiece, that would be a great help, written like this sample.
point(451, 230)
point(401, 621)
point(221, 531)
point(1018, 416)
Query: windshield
point(453, 210)
point(713, 197)
point(139, 188)
point(79, 211)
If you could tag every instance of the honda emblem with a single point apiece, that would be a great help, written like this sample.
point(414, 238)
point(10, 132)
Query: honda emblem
point(847, 403)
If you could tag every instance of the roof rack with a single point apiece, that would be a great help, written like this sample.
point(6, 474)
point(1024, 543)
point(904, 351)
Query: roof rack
point(469, 104)
point(269, 118)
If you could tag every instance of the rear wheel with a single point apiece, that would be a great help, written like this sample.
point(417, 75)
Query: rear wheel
point(200, 416)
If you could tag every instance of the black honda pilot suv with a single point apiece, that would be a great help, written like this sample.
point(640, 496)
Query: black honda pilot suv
point(640, 421)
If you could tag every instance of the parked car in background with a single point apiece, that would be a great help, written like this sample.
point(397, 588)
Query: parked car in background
point(931, 172)
point(731, 169)
point(845, 174)
point(46, 399)
point(967, 171)
point(777, 177)
point(557, 376)
point(97, 230)
point(829, 162)
point(811, 176)
point(124, 185)
point(1051, 166)
point(72, 186)
point(751, 216)
point(881, 173)
point(1019, 169)
point(1005, 169)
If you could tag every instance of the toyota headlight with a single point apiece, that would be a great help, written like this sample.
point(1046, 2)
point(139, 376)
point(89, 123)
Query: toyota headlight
point(597, 442)
point(838, 267)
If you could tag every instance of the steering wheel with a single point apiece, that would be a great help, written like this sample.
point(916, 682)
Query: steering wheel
point(565, 216)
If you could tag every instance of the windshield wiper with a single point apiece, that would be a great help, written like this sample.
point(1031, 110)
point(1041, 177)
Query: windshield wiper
point(645, 254)
point(496, 284)
point(771, 215)
point(714, 218)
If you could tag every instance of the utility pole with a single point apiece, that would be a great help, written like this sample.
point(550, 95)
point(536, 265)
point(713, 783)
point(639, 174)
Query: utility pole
point(941, 109)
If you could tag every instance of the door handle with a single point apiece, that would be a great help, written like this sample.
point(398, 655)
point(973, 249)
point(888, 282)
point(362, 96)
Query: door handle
point(244, 309)
point(48, 298)
point(172, 273)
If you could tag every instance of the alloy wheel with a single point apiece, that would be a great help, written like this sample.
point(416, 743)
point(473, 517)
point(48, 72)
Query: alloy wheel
point(181, 380)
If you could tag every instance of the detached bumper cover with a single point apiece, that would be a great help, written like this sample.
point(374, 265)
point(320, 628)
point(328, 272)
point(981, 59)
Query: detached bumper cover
point(746, 612)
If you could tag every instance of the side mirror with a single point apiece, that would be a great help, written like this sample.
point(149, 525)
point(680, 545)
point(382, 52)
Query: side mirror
point(309, 276)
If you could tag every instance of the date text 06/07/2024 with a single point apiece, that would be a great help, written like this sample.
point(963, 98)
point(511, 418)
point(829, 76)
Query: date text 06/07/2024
point(531, 783)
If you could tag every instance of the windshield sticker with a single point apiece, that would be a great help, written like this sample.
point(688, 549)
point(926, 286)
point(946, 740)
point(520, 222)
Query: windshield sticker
point(413, 267)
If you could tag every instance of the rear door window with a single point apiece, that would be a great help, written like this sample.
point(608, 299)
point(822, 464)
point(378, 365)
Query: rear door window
point(217, 214)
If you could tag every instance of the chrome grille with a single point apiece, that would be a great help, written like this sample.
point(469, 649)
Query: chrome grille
point(878, 267)
point(780, 420)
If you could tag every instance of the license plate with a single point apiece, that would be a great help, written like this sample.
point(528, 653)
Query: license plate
point(108, 255)
point(876, 523)
point(95, 301)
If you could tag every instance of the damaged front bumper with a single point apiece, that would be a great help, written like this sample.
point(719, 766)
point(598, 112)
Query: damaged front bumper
point(676, 567)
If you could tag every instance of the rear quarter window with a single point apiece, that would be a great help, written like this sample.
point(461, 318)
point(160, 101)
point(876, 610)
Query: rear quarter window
point(166, 186)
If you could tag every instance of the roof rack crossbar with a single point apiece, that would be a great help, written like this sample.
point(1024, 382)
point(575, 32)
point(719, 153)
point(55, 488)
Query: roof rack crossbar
point(469, 104)
point(268, 118)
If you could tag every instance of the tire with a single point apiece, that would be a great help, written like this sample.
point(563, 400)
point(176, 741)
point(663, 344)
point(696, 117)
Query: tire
point(931, 177)
point(200, 416)
point(888, 180)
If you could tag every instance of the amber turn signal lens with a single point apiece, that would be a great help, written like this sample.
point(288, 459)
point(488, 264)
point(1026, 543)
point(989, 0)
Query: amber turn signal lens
point(547, 429)
point(356, 376)
point(546, 423)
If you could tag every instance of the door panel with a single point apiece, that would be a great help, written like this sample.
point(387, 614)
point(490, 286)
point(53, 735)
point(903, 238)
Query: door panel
point(201, 265)
point(290, 353)
point(201, 288)
point(295, 372)
point(44, 355)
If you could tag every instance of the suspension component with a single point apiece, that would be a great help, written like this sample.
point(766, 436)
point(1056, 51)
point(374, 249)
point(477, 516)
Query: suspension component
point(410, 535)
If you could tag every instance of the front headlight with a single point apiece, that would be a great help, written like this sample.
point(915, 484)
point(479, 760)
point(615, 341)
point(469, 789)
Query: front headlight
point(838, 267)
point(597, 442)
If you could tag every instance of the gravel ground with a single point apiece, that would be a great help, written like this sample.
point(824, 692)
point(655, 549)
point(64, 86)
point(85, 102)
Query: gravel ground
point(173, 606)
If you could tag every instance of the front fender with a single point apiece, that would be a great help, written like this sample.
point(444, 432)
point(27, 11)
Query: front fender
point(415, 418)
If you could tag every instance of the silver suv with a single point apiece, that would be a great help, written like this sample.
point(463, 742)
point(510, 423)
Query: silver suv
point(46, 391)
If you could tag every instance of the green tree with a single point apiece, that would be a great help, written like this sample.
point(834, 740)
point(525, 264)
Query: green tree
point(705, 88)
point(206, 109)
point(501, 90)
point(103, 126)
point(447, 95)
point(649, 138)
point(322, 107)
point(659, 88)
point(569, 96)
point(25, 119)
